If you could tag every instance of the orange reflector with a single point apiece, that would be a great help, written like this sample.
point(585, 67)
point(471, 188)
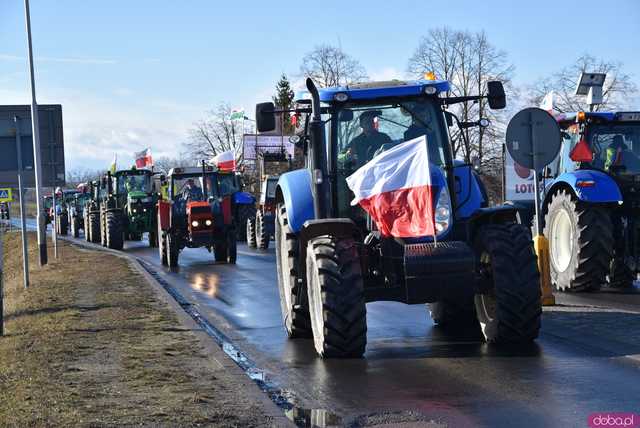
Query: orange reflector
point(430, 76)
point(585, 183)
point(581, 116)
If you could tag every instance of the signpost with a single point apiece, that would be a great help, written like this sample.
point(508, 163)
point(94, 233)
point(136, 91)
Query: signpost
point(23, 216)
point(533, 141)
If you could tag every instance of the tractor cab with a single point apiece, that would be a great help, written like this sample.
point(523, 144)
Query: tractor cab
point(333, 256)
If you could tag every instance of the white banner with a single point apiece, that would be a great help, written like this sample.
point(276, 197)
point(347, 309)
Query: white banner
point(265, 144)
point(518, 181)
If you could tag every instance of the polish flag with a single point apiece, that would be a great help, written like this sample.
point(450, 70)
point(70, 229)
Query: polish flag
point(225, 161)
point(394, 188)
point(143, 158)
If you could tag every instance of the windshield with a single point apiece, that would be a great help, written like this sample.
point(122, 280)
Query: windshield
point(616, 146)
point(189, 186)
point(227, 184)
point(134, 183)
point(271, 188)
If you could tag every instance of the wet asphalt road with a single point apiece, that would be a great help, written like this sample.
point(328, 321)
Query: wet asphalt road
point(587, 358)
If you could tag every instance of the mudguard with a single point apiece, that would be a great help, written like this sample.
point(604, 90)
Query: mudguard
point(469, 192)
point(294, 189)
point(603, 190)
point(243, 198)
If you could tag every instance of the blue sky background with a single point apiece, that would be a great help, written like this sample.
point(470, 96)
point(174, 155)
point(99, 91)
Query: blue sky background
point(132, 74)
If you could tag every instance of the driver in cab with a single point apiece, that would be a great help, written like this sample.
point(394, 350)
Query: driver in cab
point(362, 148)
point(192, 192)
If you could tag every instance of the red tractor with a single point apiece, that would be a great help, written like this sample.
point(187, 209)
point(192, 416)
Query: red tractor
point(196, 213)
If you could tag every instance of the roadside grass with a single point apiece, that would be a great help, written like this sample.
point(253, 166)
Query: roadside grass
point(90, 344)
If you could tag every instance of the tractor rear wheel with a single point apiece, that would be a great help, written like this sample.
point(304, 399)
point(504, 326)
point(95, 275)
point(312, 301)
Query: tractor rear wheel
point(262, 238)
point(94, 228)
point(293, 294)
point(251, 232)
point(232, 248)
point(509, 304)
point(87, 229)
point(173, 251)
point(114, 233)
point(336, 297)
point(243, 213)
point(580, 243)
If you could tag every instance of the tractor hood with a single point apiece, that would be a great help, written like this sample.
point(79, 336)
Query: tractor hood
point(136, 194)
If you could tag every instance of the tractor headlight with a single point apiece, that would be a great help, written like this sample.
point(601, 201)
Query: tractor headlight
point(195, 223)
point(443, 211)
point(208, 222)
point(134, 210)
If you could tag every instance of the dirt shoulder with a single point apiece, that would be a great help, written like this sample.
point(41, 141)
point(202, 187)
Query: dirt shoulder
point(91, 344)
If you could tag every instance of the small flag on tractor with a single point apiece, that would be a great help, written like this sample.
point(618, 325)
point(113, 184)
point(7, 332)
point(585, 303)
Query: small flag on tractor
point(114, 164)
point(225, 161)
point(237, 114)
point(394, 188)
point(143, 158)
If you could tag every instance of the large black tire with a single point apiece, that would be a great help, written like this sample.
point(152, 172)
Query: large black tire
point(173, 251)
point(94, 228)
point(153, 238)
point(262, 237)
point(62, 225)
point(580, 258)
point(294, 303)
point(75, 227)
point(232, 248)
point(103, 229)
point(454, 313)
point(336, 297)
point(87, 229)
point(114, 233)
point(509, 305)
point(251, 232)
point(243, 212)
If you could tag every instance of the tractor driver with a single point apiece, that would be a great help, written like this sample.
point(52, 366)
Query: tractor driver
point(192, 191)
point(362, 148)
point(618, 153)
point(419, 127)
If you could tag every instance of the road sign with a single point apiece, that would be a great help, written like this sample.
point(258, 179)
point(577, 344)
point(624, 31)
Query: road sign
point(5, 195)
point(533, 138)
point(51, 145)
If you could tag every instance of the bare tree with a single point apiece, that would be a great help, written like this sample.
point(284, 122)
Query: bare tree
point(165, 163)
point(468, 61)
point(618, 88)
point(330, 66)
point(82, 175)
point(215, 134)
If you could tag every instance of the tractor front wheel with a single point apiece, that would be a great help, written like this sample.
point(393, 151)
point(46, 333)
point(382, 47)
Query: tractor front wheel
point(251, 232)
point(293, 294)
point(75, 227)
point(243, 213)
point(262, 238)
point(162, 245)
point(114, 233)
point(336, 297)
point(62, 225)
point(580, 243)
point(509, 303)
point(232, 248)
point(620, 276)
point(153, 239)
point(94, 228)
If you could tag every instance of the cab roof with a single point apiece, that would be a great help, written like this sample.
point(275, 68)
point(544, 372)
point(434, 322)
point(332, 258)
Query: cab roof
point(606, 116)
point(190, 170)
point(375, 90)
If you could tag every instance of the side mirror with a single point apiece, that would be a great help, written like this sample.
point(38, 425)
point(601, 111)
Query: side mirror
point(496, 96)
point(265, 117)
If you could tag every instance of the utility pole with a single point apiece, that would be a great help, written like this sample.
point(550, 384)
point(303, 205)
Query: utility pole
point(37, 161)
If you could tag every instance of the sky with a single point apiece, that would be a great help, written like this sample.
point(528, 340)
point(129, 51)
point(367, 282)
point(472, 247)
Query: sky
point(136, 74)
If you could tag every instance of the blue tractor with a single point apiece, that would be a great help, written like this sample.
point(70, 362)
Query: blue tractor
point(331, 260)
point(591, 201)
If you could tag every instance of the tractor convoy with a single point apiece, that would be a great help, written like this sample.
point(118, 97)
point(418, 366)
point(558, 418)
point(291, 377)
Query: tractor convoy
point(382, 211)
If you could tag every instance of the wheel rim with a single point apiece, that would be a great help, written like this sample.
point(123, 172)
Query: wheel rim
point(561, 245)
point(284, 259)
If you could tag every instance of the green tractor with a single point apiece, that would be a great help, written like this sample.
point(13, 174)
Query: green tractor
point(75, 212)
point(129, 208)
point(91, 213)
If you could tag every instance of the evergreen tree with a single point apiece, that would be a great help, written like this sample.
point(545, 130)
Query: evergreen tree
point(284, 100)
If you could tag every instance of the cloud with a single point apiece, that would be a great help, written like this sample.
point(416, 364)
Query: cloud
point(66, 60)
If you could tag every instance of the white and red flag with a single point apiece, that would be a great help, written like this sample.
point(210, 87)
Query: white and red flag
point(395, 189)
point(225, 161)
point(143, 158)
